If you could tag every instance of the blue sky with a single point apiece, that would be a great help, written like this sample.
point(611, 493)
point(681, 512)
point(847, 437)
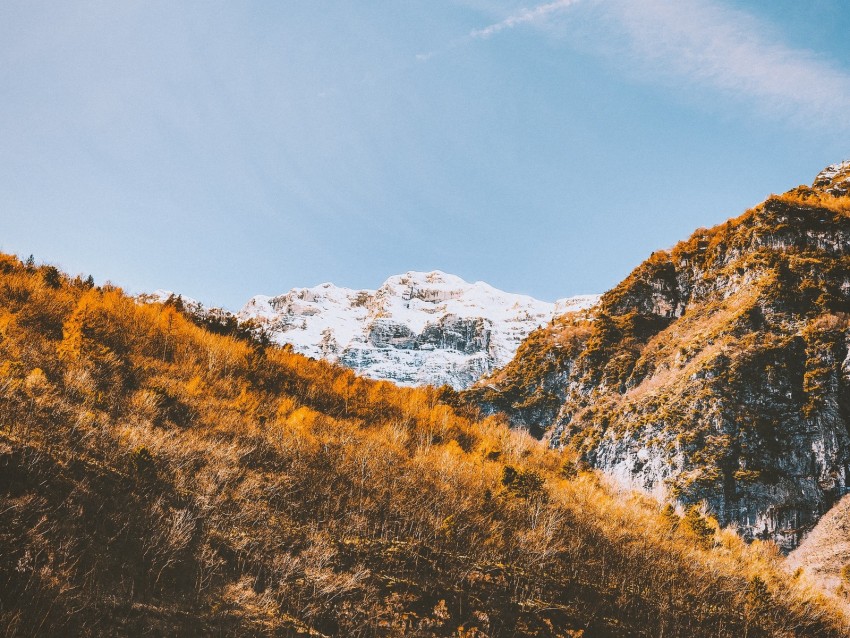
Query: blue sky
point(225, 149)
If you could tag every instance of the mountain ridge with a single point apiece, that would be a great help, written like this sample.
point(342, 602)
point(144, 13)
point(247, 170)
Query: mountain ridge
point(715, 371)
point(417, 328)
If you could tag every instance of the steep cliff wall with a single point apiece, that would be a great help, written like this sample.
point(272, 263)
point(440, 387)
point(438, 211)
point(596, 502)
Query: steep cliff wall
point(717, 371)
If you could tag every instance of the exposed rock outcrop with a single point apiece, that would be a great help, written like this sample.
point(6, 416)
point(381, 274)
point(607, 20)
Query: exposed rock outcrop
point(717, 371)
point(834, 179)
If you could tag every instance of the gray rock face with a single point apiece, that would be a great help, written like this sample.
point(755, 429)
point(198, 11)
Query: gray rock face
point(388, 334)
point(777, 489)
point(454, 333)
point(467, 336)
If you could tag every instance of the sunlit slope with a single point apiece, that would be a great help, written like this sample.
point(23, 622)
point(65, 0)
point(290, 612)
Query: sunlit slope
point(158, 479)
point(825, 551)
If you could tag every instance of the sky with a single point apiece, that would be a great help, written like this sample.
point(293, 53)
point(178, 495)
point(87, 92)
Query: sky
point(226, 149)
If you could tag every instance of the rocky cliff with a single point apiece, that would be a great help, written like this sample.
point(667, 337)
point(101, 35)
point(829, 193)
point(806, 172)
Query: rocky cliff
point(416, 329)
point(717, 371)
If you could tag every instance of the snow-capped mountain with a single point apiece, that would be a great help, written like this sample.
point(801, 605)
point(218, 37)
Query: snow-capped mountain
point(834, 179)
point(417, 328)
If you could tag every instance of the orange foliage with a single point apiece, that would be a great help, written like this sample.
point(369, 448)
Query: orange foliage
point(159, 478)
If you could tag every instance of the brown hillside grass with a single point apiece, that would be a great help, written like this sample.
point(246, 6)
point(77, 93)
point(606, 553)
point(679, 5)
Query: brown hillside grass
point(825, 552)
point(157, 479)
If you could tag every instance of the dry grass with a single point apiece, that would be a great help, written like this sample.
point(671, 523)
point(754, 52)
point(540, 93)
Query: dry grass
point(156, 479)
point(824, 554)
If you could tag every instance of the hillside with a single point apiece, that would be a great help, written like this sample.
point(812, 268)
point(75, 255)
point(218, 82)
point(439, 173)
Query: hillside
point(415, 329)
point(825, 551)
point(157, 479)
point(717, 370)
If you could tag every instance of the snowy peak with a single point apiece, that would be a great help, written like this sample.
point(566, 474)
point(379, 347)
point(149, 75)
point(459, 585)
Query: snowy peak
point(834, 179)
point(414, 298)
point(416, 328)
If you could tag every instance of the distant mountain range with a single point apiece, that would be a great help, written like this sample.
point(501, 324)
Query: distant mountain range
point(417, 328)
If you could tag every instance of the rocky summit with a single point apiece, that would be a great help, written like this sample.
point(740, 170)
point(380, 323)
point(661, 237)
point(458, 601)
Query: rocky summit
point(834, 179)
point(416, 329)
point(717, 371)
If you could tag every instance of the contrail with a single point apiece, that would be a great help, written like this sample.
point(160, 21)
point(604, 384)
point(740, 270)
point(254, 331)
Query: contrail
point(522, 17)
point(525, 16)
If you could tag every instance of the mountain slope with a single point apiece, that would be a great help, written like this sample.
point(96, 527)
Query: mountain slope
point(717, 370)
point(825, 551)
point(416, 329)
point(157, 478)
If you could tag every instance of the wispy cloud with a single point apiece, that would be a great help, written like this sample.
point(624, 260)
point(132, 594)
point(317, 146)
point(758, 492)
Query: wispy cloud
point(537, 14)
point(698, 45)
point(704, 43)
